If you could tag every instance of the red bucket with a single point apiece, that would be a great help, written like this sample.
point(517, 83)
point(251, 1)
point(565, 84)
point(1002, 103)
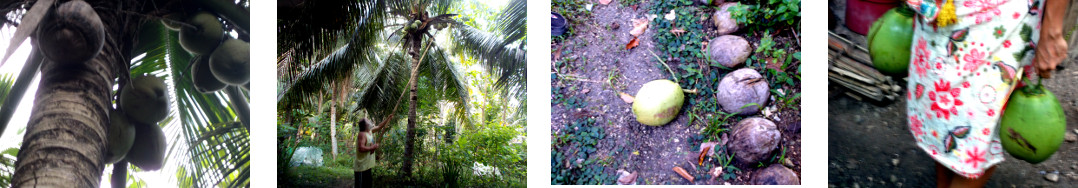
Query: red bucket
point(861, 13)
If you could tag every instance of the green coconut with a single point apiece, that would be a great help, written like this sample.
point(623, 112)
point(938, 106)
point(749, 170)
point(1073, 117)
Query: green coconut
point(204, 37)
point(889, 41)
point(231, 62)
point(121, 136)
point(148, 151)
point(145, 99)
point(1032, 125)
point(658, 102)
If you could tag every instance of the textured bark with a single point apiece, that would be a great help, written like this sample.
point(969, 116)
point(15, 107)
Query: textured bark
point(66, 137)
point(409, 147)
point(333, 129)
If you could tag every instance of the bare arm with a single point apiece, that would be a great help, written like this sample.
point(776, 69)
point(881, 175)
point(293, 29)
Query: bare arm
point(382, 126)
point(361, 144)
point(1051, 48)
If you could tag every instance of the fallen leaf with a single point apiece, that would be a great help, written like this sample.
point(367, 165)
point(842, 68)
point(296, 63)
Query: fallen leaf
point(715, 172)
point(710, 146)
point(683, 173)
point(626, 178)
point(626, 97)
point(633, 43)
point(677, 31)
point(639, 26)
point(557, 54)
point(585, 91)
point(604, 2)
point(703, 154)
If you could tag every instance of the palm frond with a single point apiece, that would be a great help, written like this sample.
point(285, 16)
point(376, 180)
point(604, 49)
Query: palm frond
point(512, 21)
point(503, 61)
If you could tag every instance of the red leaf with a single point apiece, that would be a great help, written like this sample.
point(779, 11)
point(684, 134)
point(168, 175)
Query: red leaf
point(633, 43)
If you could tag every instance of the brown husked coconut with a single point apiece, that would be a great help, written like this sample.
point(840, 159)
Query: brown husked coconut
point(724, 23)
point(753, 140)
point(729, 50)
point(739, 90)
point(776, 175)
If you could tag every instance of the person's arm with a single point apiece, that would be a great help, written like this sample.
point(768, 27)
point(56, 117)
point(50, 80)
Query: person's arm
point(362, 145)
point(1051, 48)
point(382, 126)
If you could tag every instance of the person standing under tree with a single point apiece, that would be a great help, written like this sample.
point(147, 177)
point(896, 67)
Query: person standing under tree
point(365, 146)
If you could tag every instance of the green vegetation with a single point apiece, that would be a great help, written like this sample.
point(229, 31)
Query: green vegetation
point(463, 124)
point(574, 151)
point(768, 15)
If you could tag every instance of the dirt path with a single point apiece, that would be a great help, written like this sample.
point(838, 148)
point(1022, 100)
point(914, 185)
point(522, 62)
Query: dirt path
point(594, 66)
point(869, 145)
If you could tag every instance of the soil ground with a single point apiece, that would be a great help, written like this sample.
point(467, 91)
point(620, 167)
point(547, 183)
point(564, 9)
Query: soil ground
point(603, 68)
point(869, 144)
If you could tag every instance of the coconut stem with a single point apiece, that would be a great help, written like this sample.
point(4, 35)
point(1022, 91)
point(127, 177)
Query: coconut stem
point(665, 65)
point(690, 91)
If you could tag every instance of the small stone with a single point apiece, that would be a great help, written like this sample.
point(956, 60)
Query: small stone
point(729, 50)
point(1070, 137)
point(894, 162)
point(894, 179)
point(1072, 175)
point(1052, 177)
point(788, 163)
point(855, 185)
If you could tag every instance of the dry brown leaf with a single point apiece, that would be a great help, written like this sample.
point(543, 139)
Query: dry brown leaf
point(604, 2)
point(639, 26)
point(633, 43)
point(710, 146)
point(683, 173)
point(627, 178)
point(626, 97)
point(677, 31)
point(703, 153)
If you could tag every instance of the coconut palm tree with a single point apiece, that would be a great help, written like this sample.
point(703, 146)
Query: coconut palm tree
point(65, 141)
point(391, 48)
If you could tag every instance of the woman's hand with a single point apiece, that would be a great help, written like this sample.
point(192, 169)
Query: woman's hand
point(1052, 48)
point(1050, 51)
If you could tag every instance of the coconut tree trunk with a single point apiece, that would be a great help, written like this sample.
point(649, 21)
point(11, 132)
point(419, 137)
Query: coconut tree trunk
point(409, 146)
point(67, 134)
point(65, 140)
point(333, 129)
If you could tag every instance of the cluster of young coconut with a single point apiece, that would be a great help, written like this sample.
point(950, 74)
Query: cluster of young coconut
point(133, 131)
point(220, 60)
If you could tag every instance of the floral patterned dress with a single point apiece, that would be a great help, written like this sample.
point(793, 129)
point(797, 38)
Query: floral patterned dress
point(961, 74)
